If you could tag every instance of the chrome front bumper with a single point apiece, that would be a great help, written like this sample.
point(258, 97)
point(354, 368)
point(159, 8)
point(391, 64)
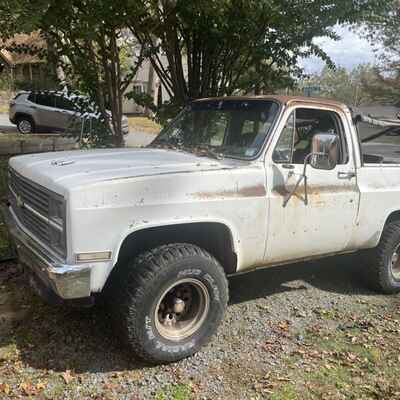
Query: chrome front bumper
point(66, 281)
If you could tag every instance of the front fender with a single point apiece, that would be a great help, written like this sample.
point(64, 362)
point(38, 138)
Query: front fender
point(144, 225)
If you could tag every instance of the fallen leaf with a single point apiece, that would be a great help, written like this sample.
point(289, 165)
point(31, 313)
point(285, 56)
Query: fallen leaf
point(68, 378)
point(27, 388)
point(40, 386)
point(5, 388)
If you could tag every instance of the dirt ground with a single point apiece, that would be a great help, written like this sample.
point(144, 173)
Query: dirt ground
point(303, 331)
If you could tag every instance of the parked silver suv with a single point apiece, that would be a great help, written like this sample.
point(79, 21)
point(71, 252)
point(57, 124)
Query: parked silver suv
point(48, 111)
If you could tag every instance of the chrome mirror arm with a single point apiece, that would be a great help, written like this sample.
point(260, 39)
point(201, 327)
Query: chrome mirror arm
point(301, 177)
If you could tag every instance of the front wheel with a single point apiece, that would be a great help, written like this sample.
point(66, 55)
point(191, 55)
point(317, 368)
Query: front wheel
point(383, 273)
point(172, 302)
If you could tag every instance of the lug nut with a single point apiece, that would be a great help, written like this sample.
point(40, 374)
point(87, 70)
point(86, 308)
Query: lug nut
point(179, 305)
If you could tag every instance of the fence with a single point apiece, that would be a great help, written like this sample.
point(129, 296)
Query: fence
point(11, 147)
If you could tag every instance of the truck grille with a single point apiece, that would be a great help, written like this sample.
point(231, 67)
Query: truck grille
point(31, 204)
point(30, 194)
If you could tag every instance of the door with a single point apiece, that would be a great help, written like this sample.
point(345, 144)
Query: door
point(64, 113)
point(324, 224)
point(44, 109)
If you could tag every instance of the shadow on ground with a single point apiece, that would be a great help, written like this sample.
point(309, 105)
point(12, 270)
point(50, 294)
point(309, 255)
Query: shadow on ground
point(342, 274)
point(61, 338)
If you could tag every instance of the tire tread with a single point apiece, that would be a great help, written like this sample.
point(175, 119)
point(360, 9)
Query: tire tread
point(377, 269)
point(137, 280)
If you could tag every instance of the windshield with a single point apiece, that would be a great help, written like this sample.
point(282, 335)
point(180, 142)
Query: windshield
point(236, 128)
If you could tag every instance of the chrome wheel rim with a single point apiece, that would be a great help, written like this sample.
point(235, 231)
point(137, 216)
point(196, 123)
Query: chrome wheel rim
point(25, 126)
point(395, 264)
point(182, 309)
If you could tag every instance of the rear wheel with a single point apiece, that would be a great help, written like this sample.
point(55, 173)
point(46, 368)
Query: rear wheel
point(171, 302)
point(383, 273)
point(25, 125)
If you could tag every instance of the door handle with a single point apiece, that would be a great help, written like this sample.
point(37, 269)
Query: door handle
point(288, 166)
point(346, 175)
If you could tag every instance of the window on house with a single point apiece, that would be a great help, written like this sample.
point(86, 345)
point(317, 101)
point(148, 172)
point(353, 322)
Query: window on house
point(137, 89)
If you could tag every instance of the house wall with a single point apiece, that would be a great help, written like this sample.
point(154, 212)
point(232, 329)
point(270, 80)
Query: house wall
point(146, 81)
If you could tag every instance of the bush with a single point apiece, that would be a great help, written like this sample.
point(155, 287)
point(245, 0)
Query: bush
point(5, 83)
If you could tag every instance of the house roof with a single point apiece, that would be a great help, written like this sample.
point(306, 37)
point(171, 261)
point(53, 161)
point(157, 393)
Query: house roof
point(24, 42)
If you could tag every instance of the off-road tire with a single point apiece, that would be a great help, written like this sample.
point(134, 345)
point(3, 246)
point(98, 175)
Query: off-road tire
point(21, 120)
point(140, 286)
point(379, 273)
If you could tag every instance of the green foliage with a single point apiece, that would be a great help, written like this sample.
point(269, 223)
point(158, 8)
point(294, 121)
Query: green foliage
point(5, 82)
point(230, 46)
point(343, 85)
point(92, 131)
point(384, 29)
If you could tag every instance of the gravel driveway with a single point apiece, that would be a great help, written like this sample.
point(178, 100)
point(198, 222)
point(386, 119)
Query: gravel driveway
point(306, 330)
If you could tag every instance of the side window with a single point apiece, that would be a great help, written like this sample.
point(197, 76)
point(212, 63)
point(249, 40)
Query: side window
point(45, 99)
point(32, 97)
point(296, 138)
point(284, 148)
point(311, 122)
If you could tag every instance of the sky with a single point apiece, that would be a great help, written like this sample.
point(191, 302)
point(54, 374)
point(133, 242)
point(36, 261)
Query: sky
point(349, 52)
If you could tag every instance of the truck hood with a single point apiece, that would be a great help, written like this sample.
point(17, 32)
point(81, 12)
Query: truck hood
point(62, 171)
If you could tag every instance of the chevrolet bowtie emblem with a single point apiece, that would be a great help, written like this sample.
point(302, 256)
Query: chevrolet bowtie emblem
point(20, 202)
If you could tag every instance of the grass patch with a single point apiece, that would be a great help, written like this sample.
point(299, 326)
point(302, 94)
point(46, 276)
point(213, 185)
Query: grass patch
point(4, 108)
point(286, 392)
point(175, 392)
point(15, 137)
point(144, 124)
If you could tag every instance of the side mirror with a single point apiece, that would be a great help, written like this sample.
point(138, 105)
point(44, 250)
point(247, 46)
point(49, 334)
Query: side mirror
point(325, 151)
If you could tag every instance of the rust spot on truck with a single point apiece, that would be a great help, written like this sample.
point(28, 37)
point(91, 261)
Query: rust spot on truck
point(252, 191)
point(313, 190)
point(247, 191)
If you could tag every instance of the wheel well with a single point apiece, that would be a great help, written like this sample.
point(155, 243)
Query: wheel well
point(19, 115)
point(394, 216)
point(213, 237)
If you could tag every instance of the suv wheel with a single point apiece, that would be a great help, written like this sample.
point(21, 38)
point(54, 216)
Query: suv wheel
point(383, 273)
point(25, 125)
point(170, 302)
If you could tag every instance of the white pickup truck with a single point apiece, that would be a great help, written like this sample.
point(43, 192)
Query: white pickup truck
point(232, 184)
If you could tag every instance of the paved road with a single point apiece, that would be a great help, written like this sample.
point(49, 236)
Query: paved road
point(138, 139)
point(6, 125)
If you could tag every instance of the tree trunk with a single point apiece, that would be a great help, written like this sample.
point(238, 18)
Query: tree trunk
point(150, 87)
